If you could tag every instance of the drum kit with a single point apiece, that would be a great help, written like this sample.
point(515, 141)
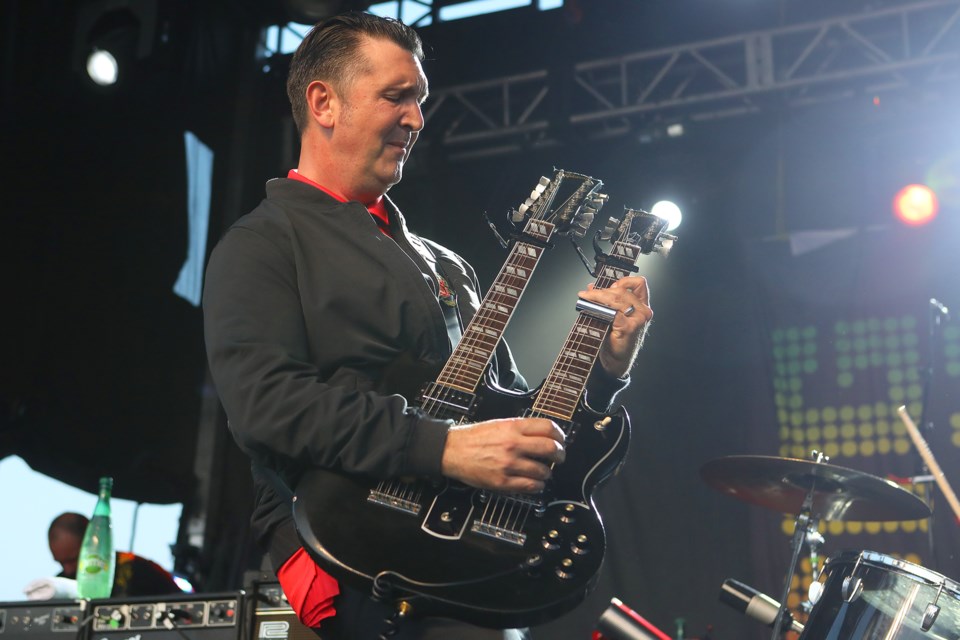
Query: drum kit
point(855, 595)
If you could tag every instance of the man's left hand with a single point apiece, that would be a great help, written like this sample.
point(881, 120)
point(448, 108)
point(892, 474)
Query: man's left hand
point(630, 298)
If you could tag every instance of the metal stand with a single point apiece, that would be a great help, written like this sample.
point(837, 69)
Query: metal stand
point(799, 534)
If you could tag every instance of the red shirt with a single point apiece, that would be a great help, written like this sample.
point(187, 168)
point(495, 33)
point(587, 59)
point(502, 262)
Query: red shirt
point(377, 209)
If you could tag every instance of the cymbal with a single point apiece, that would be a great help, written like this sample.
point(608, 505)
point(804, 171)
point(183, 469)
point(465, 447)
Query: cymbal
point(782, 484)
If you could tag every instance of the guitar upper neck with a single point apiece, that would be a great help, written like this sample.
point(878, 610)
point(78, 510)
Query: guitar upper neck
point(466, 365)
point(564, 385)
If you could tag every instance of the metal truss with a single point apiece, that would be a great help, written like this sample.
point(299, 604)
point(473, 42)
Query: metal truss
point(910, 47)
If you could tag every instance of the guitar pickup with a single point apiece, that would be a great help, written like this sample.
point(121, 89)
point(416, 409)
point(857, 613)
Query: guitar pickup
point(594, 310)
point(440, 400)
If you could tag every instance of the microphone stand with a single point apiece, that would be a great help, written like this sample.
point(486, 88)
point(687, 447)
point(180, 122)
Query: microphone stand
point(938, 312)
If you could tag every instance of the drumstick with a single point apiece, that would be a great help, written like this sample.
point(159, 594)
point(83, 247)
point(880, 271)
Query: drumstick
point(930, 461)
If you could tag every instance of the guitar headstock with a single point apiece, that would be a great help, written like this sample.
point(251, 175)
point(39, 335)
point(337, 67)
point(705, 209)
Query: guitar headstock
point(637, 233)
point(580, 200)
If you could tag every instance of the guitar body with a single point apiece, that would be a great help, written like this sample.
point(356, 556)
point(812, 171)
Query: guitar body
point(495, 560)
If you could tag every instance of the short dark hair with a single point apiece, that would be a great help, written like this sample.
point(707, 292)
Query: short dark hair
point(331, 52)
point(69, 522)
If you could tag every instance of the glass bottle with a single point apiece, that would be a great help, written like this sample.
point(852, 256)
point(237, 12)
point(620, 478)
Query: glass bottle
point(97, 564)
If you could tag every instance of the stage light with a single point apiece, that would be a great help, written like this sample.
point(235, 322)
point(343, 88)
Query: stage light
point(668, 211)
point(102, 67)
point(915, 204)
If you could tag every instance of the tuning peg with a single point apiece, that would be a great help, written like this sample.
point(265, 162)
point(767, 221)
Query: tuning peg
point(665, 244)
point(598, 200)
point(518, 215)
point(610, 227)
point(582, 223)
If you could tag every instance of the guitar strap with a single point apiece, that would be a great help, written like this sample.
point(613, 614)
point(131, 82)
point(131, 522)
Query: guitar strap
point(446, 296)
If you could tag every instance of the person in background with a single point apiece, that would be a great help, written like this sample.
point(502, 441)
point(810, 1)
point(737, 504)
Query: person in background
point(135, 576)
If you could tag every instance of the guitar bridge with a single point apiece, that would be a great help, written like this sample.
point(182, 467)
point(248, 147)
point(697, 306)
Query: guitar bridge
point(395, 495)
point(500, 533)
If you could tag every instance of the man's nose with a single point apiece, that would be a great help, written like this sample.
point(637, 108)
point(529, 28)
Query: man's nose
point(413, 117)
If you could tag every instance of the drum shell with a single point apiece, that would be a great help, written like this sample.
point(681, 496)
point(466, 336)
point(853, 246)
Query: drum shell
point(891, 603)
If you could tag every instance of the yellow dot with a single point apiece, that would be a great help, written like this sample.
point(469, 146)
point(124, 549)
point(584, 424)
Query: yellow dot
point(864, 412)
point(835, 527)
point(883, 428)
point(891, 527)
point(849, 449)
point(847, 412)
point(829, 414)
point(793, 600)
point(865, 430)
point(784, 433)
point(782, 416)
point(867, 448)
point(798, 451)
point(795, 582)
point(831, 449)
point(848, 431)
point(922, 525)
point(955, 421)
point(908, 526)
point(956, 438)
point(797, 435)
point(872, 527)
point(901, 446)
point(914, 408)
point(881, 410)
point(854, 527)
point(883, 446)
point(805, 565)
point(813, 416)
point(805, 583)
point(914, 558)
point(830, 432)
point(813, 433)
point(796, 418)
point(899, 429)
point(787, 526)
point(785, 451)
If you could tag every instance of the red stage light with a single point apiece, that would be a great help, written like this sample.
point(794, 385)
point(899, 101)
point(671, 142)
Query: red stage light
point(915, 204)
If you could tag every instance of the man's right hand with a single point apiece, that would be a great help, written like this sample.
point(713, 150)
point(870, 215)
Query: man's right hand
point(511, 454)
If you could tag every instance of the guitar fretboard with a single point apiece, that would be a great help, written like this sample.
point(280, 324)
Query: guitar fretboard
point(564, 385)
point(466, 365)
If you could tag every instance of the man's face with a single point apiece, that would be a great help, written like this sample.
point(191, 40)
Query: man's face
point(65, 548)
point(380, 116)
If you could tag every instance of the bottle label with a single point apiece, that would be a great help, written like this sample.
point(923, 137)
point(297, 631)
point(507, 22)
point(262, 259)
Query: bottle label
point(94, 565)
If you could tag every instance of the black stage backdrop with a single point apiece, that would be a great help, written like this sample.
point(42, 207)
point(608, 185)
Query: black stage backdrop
point(762, 342)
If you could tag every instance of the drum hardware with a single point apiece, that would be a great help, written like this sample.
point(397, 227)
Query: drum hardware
point(813, 490)
point(754, 604)
point(931, 612)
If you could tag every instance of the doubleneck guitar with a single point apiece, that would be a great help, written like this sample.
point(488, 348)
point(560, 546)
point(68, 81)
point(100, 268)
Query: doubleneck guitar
point(490, 558)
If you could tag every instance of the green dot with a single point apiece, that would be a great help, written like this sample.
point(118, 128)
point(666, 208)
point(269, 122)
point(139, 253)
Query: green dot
point(952, 350)
point(844, 362)
point(796, 384)
point(909, 340)
point(796, 402)
point(842, 345)
point(953, 369)
point(873, 324)
point(781, 369)
point(809, 365)
point(890, 324)
point(914, 392)
point(861, 362)
point(809, 333)
point(841, 328)
point(911, 357)
point(777, 335)
point(778, 353)
point(892, 343)
point(792, 334)
point(845, 379)
point(778, 384)
point(860, 344)
point(913, 375)
point(810, 349)
point(894, 360)
point(780, 399)
point(952, 333)
point(793, 351)
point(794, 368)
point(895, 376)
point(897, 394)
point(875, 341)
point(876, 358)
point(858, 326)
point(908, 322)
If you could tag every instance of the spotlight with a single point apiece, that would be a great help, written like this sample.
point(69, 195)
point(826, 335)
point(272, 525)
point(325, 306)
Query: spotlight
point(915, 205)
point(111, 36)
point(102, 67)
point(668, 211)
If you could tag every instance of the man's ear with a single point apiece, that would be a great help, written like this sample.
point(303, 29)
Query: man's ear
point(323, 103)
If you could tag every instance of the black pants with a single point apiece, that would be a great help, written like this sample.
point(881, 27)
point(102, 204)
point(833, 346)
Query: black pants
point(360, 618)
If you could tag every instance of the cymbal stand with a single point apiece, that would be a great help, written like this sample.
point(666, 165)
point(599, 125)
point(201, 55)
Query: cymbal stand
point(802, 528)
